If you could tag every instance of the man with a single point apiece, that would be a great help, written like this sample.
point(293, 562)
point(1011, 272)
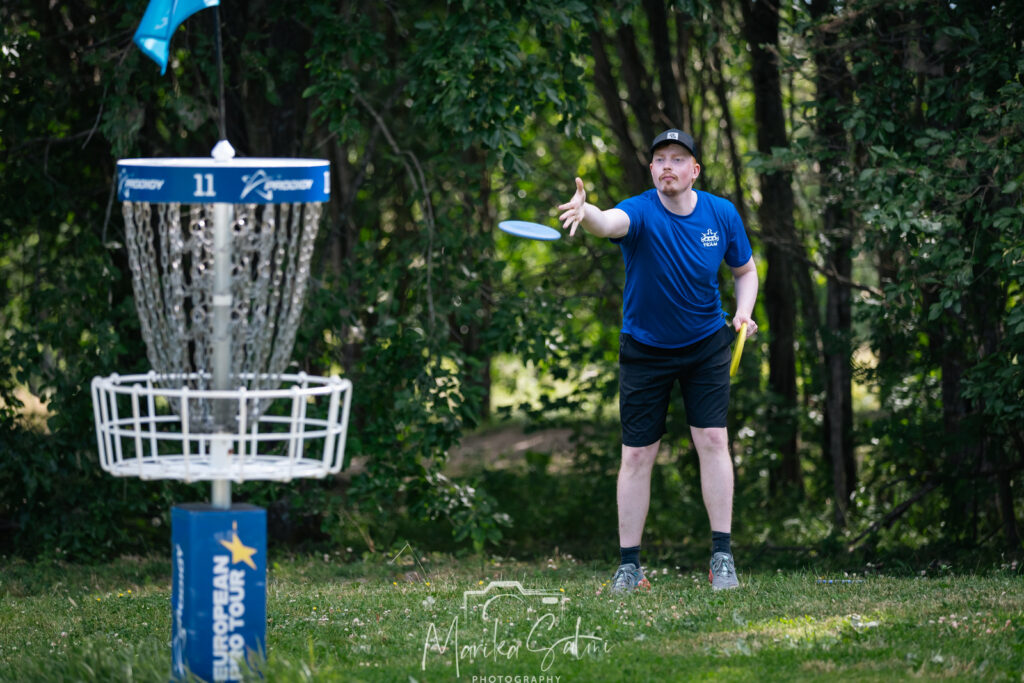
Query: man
point(673, 240)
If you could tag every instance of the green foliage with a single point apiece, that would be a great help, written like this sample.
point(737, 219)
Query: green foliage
point(430, 120)
point(565, 506)
point(53, 493)
point(939, 191)
point(475, 77)
point(66, 312)
point(408, 300)
point(473, 514)
point(441, 119)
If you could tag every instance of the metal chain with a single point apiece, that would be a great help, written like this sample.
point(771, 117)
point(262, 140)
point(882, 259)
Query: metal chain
point(172, 274)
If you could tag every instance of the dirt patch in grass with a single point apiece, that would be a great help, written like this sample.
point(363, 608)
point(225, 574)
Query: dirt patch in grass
point(506, 447)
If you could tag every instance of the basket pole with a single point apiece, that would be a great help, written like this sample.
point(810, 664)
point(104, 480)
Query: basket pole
point(221, 361)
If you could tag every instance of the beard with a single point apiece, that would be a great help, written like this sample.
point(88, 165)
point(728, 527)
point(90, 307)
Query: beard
point(672, 188)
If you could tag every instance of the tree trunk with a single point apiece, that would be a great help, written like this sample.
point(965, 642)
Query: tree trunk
point(657, 20)
point(987, 299)
point(684, 23)
point(637, 83)
point(838, 440)
point(636, 173)
point(472, 339)
point(833, 89)
point(761, 28)
point(735, 164)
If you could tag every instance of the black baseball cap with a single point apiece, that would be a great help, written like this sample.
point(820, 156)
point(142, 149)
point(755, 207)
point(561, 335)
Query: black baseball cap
point(674, 135)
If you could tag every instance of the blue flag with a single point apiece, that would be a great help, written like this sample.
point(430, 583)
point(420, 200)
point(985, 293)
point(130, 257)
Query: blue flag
point(161, 20)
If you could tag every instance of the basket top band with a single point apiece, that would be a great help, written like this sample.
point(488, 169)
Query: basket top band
point(247, 180)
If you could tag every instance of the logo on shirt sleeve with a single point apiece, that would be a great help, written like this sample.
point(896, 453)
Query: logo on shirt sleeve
point(710, 238)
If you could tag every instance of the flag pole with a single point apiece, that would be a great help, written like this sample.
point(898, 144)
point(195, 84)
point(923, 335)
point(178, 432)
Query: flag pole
point(220, 74)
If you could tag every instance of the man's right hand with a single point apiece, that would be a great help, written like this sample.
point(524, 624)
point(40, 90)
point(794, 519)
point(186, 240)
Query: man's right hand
point(574, 209)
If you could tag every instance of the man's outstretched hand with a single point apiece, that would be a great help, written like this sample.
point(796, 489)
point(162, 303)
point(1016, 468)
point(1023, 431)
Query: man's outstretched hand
point(574, 209)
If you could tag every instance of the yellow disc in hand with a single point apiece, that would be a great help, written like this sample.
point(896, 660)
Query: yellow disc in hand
point(738, 351)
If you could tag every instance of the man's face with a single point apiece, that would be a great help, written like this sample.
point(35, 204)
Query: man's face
point(673, 169)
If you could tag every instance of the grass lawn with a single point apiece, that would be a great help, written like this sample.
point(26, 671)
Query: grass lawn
point(397, 619)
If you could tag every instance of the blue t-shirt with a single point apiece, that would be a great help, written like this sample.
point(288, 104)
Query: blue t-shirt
point(671, 297)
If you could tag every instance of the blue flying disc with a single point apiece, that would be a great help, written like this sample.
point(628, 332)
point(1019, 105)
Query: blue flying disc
point(533, 231)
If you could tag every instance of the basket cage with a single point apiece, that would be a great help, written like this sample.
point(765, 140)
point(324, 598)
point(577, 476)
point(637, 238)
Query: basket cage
point(171, 252)
point(144, 428)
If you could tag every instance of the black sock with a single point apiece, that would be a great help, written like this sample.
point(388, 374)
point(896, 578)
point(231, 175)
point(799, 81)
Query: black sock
point(720, 542)
point(630, 555)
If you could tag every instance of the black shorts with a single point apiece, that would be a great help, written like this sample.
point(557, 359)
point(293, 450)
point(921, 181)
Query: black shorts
point(648, 373)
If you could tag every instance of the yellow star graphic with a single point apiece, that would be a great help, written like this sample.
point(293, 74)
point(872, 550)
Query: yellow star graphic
point(239, 551)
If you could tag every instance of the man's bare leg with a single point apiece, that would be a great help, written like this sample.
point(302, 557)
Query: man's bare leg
point(716, 483)
point(633, 492)
point(716, 477)
point(633, 495)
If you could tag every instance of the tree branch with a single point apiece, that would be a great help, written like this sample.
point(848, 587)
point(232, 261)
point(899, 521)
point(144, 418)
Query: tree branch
point(798, 254)
point(419, 181)
point(895, 514)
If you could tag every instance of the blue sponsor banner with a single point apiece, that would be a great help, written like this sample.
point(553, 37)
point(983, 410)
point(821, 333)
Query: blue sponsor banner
point(238, 181)
point(219, 591)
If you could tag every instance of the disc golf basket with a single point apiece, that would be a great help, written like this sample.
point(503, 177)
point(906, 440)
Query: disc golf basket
point(220, 252)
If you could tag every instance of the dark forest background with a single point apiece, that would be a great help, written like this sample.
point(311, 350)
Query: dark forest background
point(873, 148)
